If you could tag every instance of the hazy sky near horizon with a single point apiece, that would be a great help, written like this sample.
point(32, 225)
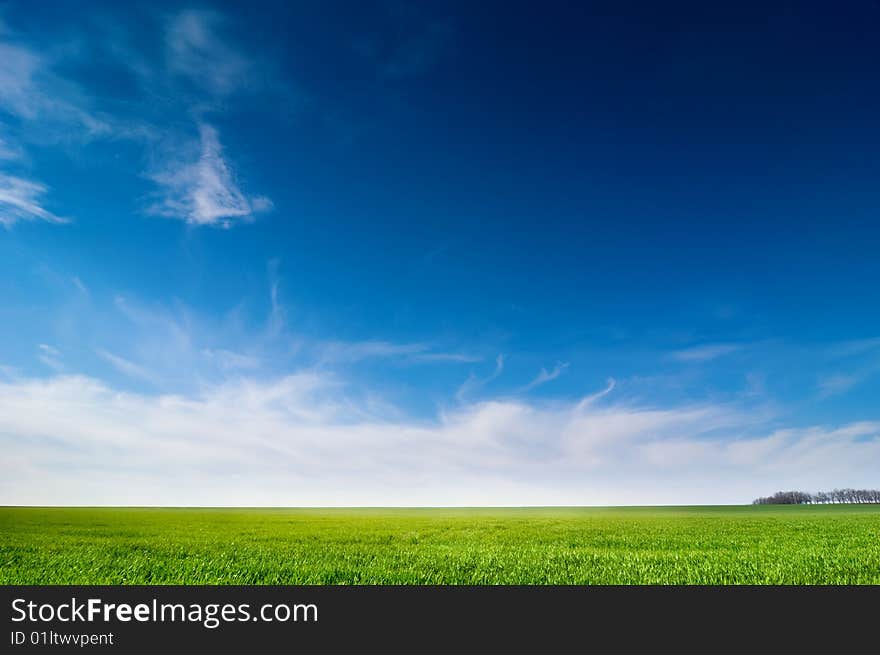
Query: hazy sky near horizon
point(438, 253)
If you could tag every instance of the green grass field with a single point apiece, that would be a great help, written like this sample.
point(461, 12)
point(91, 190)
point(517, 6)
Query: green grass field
point(668, 545)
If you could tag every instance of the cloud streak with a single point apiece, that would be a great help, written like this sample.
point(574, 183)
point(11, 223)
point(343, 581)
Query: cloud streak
point(196, 51)
point(8, 151)
point(50, 107)
point(355, 351)
point(21, 200)
point(589, 400)
point(460, 358)
point(705, 353)
point(545, 376)
point(126, 367)
point(350, 352)
point(50, 356)
point(228, 360)
point(473, 383)
point(835, 385)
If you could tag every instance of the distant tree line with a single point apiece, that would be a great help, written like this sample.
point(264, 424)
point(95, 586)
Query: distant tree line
point(838, 496)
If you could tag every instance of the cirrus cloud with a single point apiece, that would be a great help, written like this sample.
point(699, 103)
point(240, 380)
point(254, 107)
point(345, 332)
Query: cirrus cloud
point(21, 200)
point(205, 191)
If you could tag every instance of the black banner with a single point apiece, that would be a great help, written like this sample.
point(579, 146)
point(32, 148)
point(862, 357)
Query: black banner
point(395, 619)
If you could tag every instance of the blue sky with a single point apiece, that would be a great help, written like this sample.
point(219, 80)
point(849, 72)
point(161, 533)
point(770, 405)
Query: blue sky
point(383, 253)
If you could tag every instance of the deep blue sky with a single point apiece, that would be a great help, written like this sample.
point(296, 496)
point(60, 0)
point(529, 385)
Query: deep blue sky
point(443, 207)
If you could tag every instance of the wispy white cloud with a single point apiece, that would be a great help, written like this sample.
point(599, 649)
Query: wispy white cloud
point(168, 337)
point(80, 285)
point(299, 440)
point(197, 51)
point(706, 352)
point(127, 367)
point(856, 347)
point(50, 356)
point(32, 92)
point(447, 357)
point(170, 328)
point(355, 351)
point(860, 359)
point(184, 347)
point(545, 376)
point(473, 383)
point(228, 360)
point(756, 384)
point(21, 200)
point(18, 87)
point(404, 353)
point(277, 313)
point(205, 191)
point(9, 151)
point(586, 401)
point(47, 108)
point(835, 385)
point(179, 348)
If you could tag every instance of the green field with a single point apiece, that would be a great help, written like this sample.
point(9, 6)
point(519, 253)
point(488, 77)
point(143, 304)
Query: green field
point(667, 545)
